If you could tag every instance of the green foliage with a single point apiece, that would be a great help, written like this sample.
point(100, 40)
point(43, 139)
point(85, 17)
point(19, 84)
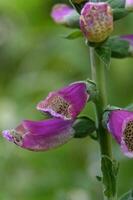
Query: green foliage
point(74, 35)
point(110, 180)
point(127, 196)
point(35, 60)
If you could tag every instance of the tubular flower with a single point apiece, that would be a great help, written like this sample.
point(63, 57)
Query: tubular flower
point(41, 135)
point(67, 102)
point(120, 124)
point(129, 5)
point(66, 15)
point(96, 21)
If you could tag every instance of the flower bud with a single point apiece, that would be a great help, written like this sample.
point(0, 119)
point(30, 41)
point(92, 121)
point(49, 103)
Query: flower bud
point(96, 21)
point(119, 123)
point(65, 15)
point(129, 5)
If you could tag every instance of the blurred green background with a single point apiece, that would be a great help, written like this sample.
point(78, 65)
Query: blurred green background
point(35, 59)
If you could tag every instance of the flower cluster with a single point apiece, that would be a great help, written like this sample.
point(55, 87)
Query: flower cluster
point(64, 105)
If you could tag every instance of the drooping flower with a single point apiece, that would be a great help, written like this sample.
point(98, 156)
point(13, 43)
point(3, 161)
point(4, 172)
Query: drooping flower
point(65, 15)
point(96, 21)
point(41, 135)
point(120, 124)
point(67, 102)
point(48, 134)
point(129, 4)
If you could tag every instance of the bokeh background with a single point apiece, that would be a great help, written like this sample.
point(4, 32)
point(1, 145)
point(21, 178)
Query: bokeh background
point(36, 59)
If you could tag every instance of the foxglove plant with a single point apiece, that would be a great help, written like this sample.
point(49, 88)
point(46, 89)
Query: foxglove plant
point(95, 19)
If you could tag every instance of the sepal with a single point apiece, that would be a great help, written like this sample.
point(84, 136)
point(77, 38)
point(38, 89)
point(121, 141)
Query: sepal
point(78, 4)
point(92, 89)
point(83, 127)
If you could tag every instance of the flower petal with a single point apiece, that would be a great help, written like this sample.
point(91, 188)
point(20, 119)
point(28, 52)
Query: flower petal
point(128, 38)
point(41, 135)
point(67, 102)
point(60, 12)
point(115, 122)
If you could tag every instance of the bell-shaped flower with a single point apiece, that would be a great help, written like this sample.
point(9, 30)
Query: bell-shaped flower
point(48, 134)
point(120, 124)
point(67, 102)
point(96, 21)
point(65, 15)
point(41, 135)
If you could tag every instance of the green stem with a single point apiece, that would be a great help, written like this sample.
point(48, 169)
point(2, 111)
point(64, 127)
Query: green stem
point(98, 76)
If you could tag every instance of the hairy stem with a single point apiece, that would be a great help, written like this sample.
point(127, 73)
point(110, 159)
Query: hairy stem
point(98, 76)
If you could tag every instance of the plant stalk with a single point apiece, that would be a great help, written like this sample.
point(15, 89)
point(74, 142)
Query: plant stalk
point(98, 76)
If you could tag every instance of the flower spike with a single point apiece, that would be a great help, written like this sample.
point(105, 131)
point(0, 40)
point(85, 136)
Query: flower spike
point(67, 102)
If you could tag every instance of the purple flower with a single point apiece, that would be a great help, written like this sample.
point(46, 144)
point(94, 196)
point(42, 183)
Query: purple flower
point(41, 135)
point(61, 13)
point(67, 102)
point(96, 21)
point(129, 4)
point(128, 38)
point(120, 125)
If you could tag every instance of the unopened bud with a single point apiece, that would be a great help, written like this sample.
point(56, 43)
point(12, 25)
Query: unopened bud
point(96, 21)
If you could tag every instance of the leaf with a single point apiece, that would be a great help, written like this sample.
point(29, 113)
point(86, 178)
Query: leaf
point(119, 13)
point(104, 53)
point(110, 171)
point(129, 107)
point(73, 35)
point(127, 196)
point(119, 48)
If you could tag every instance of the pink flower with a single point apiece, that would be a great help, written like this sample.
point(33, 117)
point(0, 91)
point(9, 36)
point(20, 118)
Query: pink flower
point(64, 14)
point(120, 124)
point(129, 5)
point(96, 21)
point(41, 135)
point(67, 102)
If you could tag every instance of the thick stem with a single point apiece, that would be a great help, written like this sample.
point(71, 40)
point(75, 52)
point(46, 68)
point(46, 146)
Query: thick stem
point(98, 76)
point(100, 104)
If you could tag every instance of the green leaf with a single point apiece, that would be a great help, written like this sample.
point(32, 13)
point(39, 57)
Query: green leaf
point(104, 53)
point(119, 48)
point(110, 171)
point(127, 196)
point(73, 35)
point(119, 13)
point(84, 127)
